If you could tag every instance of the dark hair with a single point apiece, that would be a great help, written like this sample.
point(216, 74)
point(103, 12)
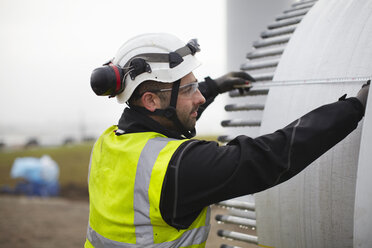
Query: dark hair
point(149, 86)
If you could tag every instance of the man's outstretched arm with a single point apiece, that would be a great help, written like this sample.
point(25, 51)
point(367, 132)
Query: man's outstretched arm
point(209, 173)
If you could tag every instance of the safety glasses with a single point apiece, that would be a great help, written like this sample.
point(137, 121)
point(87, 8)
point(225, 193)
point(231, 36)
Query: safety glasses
point(186, 90)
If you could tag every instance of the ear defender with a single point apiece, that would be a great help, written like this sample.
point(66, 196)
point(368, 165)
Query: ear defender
point(107, 80)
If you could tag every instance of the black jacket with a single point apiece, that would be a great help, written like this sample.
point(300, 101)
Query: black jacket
point(201, 173)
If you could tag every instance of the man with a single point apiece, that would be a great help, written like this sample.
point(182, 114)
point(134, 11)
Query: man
point(149, 184)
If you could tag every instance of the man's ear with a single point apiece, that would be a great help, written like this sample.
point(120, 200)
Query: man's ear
point(150, 101)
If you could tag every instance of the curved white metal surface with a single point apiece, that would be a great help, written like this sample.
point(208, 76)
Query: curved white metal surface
point(363, 195)
point(316, 208)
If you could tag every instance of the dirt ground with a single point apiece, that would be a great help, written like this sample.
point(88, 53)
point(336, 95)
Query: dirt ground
point(35, 222)
point(42, 222)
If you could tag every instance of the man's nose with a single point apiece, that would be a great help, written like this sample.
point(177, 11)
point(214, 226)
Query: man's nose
point(199, 97)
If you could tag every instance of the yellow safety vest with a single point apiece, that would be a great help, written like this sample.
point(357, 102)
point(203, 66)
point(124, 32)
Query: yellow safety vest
point(125, 183)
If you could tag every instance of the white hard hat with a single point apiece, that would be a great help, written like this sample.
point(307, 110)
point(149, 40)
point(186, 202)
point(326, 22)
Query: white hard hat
point(159, 46)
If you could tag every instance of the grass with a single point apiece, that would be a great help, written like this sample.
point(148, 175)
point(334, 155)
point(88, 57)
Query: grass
point(73, 161)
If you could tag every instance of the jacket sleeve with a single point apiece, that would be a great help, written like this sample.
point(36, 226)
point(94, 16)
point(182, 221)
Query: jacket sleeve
point(209, 173)
point(208, 88)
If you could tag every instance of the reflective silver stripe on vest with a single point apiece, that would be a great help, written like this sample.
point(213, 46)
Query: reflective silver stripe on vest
point(191, 237)
point(208, 217)
point(141, 203)
point(141, 206)
point(90, 163)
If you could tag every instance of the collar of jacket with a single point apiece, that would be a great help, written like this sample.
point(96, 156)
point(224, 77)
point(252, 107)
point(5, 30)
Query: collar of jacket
point(132, 121)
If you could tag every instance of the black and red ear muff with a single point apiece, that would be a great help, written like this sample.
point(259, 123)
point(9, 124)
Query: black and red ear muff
point(107, 80)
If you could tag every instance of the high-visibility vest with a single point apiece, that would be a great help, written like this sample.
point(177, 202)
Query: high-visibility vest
point(125, 182)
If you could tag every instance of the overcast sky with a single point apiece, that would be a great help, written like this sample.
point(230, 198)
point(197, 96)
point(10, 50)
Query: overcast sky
point(49, 48)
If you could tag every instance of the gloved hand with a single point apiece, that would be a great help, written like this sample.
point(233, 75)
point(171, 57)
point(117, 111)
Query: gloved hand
point(228, 81)
point(363, 93)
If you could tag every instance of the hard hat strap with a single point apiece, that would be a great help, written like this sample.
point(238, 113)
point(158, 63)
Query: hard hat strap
point(174, 94)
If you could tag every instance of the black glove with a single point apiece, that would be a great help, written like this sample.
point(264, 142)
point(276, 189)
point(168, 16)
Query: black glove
point(363, 93)
point(231, 79)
